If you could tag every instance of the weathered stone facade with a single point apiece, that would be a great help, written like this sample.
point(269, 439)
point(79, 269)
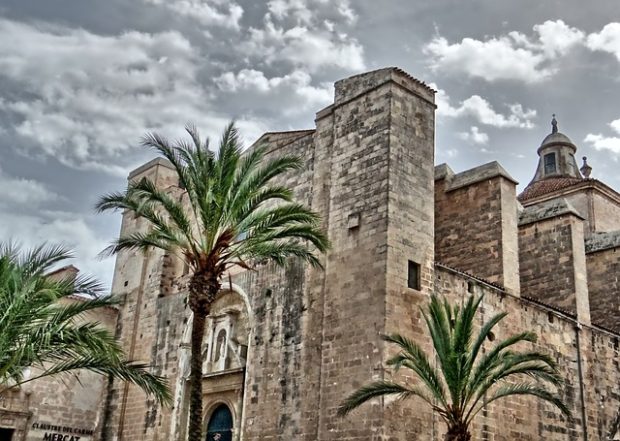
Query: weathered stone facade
point(286, 345)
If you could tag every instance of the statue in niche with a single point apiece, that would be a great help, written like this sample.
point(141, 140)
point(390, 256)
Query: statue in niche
point(219, 345)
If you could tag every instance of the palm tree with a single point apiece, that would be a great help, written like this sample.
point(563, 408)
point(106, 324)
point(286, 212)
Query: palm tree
point(43, 333)
point(466, 379)
point(235, 216)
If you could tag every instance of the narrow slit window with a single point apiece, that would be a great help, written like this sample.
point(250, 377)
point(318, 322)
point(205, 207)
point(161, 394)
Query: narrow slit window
point(413, 275)
point(550, 166)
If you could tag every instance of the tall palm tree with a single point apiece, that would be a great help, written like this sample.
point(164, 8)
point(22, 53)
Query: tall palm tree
point(43, 333)
point(466, 379)
point(235, 216)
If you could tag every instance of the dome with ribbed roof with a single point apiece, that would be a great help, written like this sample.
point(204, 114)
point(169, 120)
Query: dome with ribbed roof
point(557, 138)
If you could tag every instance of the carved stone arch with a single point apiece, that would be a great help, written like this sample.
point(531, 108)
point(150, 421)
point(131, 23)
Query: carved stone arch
point(211, 407)
point(246, 299)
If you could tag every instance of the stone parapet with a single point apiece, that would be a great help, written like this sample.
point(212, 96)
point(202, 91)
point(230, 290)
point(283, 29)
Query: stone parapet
point(547, 210)
point(602, 241)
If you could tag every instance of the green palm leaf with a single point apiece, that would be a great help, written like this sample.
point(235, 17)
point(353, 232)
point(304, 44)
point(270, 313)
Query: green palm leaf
point(464, 382)
point(39, 329)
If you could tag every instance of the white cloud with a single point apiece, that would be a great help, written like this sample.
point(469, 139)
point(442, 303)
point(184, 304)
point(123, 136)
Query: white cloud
point(475, 136)
point(302, 46)
point(514, 56)
point(70, 229)
point(23, 191)
point(607, 40)
point(556, 38)
point(87, 98)
point(294, 90)
point(345, 9)
point(492, 59)
point(298, 9)
point(308, 12)
point(481, 110)
point(601, 142)
point(226, 14)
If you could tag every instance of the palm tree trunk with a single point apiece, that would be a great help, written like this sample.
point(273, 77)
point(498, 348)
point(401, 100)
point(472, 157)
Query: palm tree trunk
point(195, 385)
point(457, 432)
point(202, 292)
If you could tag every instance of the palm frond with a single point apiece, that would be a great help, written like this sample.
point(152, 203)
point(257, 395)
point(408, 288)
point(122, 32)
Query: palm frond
point(414, 358)
point(523, 389)
point(470, 383)
point(133, 372)
point(378, 389)
point(142, 242)
point(39, 329)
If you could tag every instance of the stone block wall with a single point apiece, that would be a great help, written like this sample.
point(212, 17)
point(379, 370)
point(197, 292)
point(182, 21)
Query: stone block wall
point(606, 213)
point(149, 326)
point(281, 361)
point(604, 287)
point(316, 333)
point(410, 236)
point(476, 224)
point(354, 297)
point(552, 260)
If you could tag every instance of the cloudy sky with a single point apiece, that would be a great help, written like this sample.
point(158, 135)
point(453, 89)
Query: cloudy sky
point(82, 80)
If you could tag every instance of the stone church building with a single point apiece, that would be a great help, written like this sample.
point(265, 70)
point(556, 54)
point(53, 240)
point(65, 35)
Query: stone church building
point(286, 345)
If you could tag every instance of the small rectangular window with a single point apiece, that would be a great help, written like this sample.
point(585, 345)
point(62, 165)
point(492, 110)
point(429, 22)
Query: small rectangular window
point(550, 163)
point(413, 276)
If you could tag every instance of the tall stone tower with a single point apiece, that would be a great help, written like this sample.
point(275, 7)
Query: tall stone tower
point(370, 166)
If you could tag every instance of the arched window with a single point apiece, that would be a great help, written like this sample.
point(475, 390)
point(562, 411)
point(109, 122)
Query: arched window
point(220, 424)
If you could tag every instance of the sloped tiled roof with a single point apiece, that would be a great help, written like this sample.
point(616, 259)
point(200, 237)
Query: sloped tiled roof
point(548, 185)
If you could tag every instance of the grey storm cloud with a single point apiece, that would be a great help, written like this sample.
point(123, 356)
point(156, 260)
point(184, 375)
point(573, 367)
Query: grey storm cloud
point(79, 86)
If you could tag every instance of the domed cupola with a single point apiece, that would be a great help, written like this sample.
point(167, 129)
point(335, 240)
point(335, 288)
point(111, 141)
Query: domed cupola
point(557, 167)
point(557, 156)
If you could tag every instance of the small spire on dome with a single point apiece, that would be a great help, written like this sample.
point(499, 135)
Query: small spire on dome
point(585, 168)
point(554, 125)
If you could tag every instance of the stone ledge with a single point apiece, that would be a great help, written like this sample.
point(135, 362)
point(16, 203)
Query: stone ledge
point(547, 210)
point(602, 241)
point(152, 163)
point(443, 171)
point(351, 88)
point(471, 176)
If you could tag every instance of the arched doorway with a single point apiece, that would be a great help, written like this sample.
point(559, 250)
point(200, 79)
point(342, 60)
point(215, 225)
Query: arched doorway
point(220, 424)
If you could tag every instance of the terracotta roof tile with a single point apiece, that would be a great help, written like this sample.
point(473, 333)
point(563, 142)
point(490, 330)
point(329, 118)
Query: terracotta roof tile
point(549, 185)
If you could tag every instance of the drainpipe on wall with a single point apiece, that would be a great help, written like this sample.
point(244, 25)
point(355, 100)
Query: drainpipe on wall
point(584, 421)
